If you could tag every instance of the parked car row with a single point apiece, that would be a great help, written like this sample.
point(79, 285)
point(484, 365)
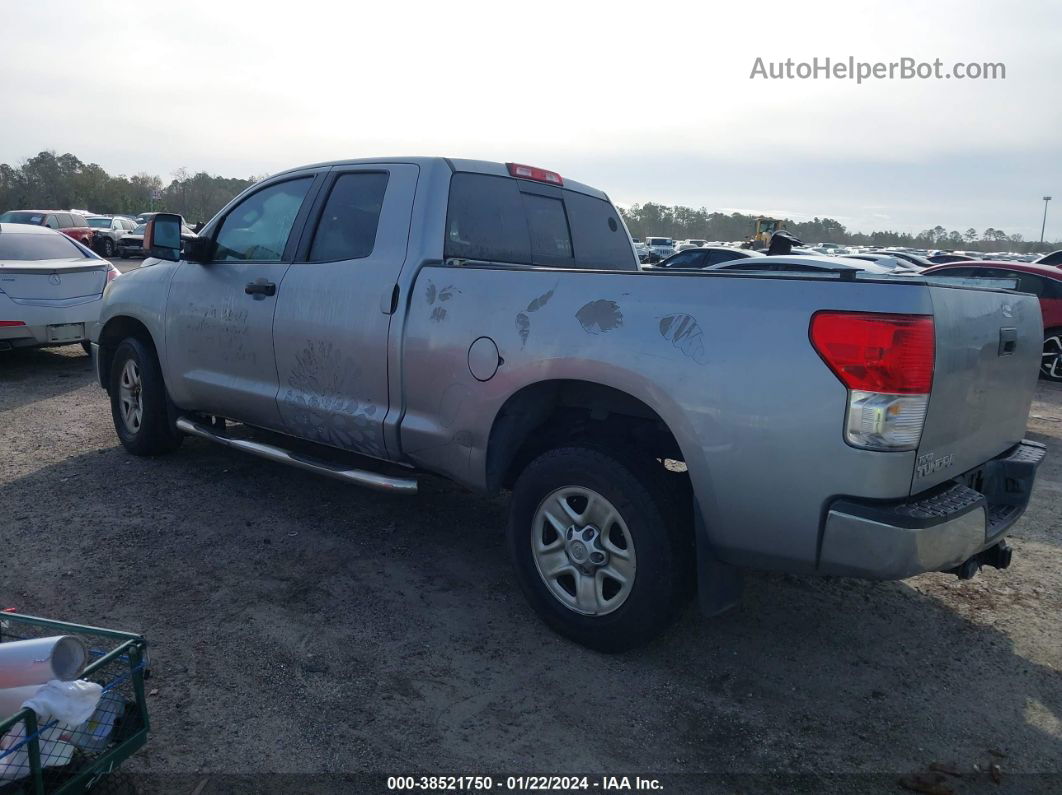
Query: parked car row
point(108, 235)
point(1040, 279)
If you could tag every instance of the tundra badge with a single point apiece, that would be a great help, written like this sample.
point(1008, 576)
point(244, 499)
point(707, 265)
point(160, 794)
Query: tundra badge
point(929, 463)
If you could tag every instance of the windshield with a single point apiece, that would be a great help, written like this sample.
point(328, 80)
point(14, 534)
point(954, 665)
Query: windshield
point(15, 247)
point(139, 229)
point(99, 223)
point(15, 217)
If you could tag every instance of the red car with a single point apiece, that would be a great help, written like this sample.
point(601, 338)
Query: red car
point(1043, 281)
point(73, 225)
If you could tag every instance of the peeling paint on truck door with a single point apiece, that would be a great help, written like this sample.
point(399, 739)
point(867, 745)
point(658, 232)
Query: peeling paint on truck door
point(334, 308)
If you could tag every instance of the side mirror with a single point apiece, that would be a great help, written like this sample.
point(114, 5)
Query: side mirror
point(162, 237)
point(198, 249)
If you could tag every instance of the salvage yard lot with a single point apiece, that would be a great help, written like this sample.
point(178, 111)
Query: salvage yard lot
point(298, 625)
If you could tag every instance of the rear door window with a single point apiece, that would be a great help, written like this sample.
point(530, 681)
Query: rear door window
point(686, 259)
point(15, 246)
point(486, 220)
point(715, 257)
point(65, 221)
point(347, 229)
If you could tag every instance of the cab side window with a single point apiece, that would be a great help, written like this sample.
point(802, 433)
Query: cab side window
point(1027, 283)
point(351, 216)
point(257, 229)
point(51, 222)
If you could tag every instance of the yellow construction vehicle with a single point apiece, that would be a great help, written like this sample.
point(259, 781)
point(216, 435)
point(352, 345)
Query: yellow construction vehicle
point(765, 227)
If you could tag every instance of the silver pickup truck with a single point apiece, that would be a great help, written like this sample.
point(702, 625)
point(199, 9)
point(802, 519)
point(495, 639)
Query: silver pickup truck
point(375, 319)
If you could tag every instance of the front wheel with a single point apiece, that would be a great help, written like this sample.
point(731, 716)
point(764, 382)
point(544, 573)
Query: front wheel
point(108, 248)
point(1051, 363)
point(139, 405)
point(602, 550)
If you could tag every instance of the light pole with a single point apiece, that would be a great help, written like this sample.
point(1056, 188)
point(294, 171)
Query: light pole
point(1044, 225)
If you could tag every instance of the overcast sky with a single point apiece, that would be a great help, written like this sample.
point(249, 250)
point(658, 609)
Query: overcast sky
point(650, 101)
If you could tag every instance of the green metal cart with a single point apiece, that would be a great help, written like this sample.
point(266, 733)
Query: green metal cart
point(50, 758)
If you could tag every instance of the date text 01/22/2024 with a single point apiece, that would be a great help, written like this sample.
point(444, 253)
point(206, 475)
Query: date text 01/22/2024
point(523, 783)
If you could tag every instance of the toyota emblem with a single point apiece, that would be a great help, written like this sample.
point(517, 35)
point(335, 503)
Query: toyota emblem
point(55, 280)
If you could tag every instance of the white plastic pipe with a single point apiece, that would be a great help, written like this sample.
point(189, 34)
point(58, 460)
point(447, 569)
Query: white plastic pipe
point(11, 699)
point(37, 661)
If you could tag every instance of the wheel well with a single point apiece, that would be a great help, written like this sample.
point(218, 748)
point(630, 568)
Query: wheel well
point(547, 414)
point(116, 330)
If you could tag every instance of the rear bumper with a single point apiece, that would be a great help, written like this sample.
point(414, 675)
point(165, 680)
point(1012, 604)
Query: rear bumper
point(48, 322)
point(935, 531)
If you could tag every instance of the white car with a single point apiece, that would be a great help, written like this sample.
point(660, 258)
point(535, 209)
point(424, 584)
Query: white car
point(682, 245)
point(51, 288)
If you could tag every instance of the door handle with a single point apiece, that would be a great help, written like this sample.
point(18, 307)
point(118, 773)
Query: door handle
point(260, 289)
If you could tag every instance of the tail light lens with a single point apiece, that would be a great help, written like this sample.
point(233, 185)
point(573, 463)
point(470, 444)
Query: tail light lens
point(113, 274)
point(886, 362)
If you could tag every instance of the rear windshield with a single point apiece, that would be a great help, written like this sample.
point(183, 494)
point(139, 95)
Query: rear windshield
point(14, 246)
point(15, 217)
point(658, 241)
point(100, 223)
point(500, 219)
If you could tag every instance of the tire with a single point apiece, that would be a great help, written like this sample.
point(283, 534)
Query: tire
point(139, 404)
point(108, 248)
point(656, 556)
point(1051, 363)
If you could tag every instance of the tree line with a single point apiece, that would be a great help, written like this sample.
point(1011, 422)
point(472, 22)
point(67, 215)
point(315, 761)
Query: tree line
point(684, 223)
point(63, 182)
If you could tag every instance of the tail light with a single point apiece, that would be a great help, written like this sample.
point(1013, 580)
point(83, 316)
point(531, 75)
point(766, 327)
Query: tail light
point(10, 323)
point(534, 173)
point(886, 362)
point(112, 274)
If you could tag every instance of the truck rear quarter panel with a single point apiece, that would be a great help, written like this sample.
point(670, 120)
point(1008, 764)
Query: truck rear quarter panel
point(724, 360)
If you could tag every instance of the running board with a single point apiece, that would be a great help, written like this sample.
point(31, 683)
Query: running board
point(361, 477)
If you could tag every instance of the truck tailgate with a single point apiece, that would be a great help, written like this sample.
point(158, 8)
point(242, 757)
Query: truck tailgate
point(988, 347)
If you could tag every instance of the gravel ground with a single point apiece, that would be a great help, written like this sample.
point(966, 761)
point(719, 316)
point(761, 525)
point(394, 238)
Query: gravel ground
point(299, 626)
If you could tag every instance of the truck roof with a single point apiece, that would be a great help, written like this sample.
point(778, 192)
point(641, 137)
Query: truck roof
point(454, 164)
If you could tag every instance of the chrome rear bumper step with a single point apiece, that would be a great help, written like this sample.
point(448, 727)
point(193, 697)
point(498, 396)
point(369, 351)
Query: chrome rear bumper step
point(360, 477)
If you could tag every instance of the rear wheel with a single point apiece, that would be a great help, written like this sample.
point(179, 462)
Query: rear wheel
point(1051, 363)
point(139, 405)
point(602, 552)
